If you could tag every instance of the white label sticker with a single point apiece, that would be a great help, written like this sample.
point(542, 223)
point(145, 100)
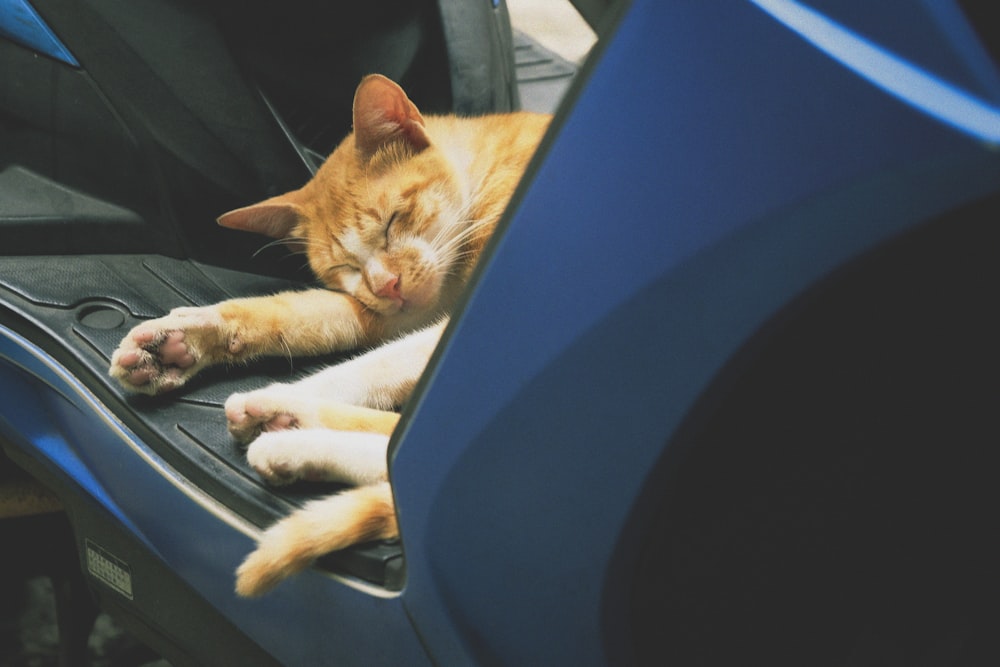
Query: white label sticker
point(111, 570)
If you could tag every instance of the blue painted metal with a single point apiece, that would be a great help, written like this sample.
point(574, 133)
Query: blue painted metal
point(20, 22)
point(895, 75)
point(714, 167)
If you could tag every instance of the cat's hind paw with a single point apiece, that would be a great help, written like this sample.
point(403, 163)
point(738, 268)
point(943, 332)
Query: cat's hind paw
point(277, 463)
point(319, 455)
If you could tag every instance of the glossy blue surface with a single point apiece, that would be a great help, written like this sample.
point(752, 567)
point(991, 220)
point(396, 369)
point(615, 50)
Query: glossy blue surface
point(714, 167)
point(20, 22)
point(887, 70)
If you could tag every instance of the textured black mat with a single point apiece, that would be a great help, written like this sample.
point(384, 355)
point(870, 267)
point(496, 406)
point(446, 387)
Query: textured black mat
point(78, 308)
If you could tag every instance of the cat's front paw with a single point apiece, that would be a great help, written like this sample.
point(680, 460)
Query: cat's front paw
point(162, 354)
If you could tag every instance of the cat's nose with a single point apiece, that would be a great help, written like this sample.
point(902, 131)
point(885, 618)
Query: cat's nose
point(390, 289)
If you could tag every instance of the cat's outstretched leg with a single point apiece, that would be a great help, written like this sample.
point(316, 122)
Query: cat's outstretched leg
point(319, 527)
point(162, 354)
point(381, 378)
point(289, 406)
point(249, 415)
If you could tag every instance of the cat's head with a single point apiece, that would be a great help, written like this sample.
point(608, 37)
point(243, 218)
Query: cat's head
point(382, 218)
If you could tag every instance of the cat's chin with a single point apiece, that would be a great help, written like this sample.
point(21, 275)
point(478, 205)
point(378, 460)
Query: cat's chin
point(420, 297)
point(410, 307)
point(399, 307)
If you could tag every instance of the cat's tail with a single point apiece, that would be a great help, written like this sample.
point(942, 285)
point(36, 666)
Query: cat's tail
point(319, 527)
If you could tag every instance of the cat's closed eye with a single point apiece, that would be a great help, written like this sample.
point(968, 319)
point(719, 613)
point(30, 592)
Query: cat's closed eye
point(343, 277)
point(388, 225)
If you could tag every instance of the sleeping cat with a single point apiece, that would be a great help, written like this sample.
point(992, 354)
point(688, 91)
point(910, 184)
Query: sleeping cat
point(392, 224)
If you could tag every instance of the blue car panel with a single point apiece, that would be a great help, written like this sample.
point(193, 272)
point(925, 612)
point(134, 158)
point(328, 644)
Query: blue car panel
point(20, 22)
point(715, 166)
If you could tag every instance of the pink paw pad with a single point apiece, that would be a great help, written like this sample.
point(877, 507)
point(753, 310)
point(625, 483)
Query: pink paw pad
point(173, 351)
point(281, 422)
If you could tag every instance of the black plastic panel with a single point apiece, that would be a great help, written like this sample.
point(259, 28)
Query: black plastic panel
point(79, 308)
point(543, 77)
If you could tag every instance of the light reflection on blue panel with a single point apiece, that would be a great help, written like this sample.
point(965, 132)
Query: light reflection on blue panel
point(27, 413)
point(911, 84)
point(20, 22)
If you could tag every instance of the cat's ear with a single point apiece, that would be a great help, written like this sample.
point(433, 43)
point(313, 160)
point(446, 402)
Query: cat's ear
point(383, 113)
point(275, 217)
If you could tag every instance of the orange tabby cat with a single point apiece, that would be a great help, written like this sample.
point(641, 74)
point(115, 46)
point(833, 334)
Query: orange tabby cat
point(393, 224)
